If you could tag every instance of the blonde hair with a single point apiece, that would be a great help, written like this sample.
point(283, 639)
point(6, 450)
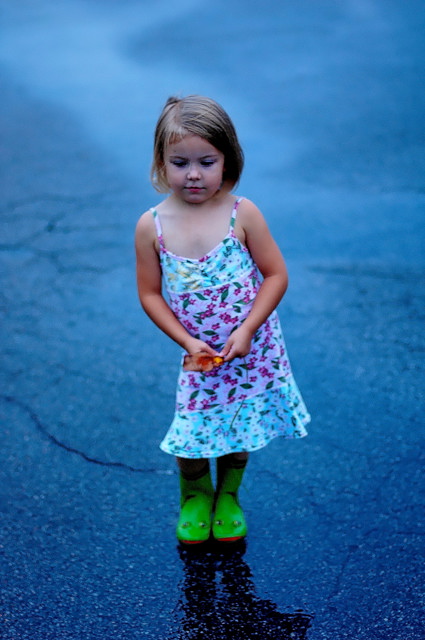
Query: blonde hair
point(199, 116)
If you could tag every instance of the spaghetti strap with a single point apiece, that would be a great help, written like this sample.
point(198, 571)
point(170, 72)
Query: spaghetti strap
point(234, 212)
point(157, 223)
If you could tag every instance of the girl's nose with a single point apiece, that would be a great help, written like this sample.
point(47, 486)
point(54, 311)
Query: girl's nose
point(193, 172)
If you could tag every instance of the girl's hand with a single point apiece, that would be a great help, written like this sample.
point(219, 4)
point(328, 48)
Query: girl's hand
point(193, 345)
point(238, 344)
point(202, 362)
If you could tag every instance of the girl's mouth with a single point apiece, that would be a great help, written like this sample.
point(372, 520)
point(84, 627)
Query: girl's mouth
point(194, 189)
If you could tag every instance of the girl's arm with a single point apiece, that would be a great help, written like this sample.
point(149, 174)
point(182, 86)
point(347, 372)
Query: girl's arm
point(149, 287)
point(270, 262)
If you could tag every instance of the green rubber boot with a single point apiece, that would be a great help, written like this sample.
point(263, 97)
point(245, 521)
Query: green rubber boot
point(229, 523)
point(196, 503)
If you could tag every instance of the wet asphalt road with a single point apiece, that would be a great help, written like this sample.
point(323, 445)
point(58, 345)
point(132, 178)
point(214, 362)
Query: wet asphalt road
point(328, 100)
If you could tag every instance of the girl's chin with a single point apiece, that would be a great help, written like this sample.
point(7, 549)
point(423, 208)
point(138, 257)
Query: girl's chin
point(195, 195)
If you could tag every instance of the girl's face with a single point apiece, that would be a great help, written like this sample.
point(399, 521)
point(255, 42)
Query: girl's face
point(194, 169)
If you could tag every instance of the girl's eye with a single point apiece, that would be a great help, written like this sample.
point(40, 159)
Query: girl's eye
point(177, 162)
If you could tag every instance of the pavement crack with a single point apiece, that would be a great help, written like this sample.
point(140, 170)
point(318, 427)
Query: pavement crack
point(13, 205)
point(43, 429)
point(338, 581)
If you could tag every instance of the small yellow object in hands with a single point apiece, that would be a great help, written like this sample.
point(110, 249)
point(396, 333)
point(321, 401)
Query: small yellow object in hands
point(202, 361)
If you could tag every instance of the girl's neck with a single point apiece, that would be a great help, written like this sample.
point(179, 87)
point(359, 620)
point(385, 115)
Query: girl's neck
point(193, 230)
point(220, 198)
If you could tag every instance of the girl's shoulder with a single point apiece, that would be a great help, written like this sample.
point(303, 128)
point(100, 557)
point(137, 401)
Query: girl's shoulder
point(249, 221)
point(146, 233)
point(248, 212)
point(146, 221)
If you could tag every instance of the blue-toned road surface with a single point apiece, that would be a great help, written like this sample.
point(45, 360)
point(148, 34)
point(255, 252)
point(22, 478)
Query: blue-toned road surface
point(328, 100)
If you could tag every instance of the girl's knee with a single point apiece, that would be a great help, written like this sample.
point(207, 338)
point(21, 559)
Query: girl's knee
point(192, 466)
point(242, 455)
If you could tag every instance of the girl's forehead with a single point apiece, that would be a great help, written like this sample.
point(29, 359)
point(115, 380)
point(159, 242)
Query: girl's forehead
point(191, 144)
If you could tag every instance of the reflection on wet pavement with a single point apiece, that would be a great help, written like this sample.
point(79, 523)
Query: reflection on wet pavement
point(218, 601)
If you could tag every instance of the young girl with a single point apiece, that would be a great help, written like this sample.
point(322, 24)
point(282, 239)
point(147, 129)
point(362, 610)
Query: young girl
point(224, 276)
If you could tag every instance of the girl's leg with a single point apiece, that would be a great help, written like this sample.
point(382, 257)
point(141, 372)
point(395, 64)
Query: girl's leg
point(227, 461)
point(229, 521)
point(196, 502)
point(191, 466)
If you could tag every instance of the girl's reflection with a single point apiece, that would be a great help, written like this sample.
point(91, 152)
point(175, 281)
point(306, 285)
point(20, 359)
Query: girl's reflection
point(218, 601)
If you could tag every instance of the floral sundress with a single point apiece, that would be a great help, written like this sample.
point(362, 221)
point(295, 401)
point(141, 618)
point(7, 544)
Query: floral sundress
point(243, 404)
